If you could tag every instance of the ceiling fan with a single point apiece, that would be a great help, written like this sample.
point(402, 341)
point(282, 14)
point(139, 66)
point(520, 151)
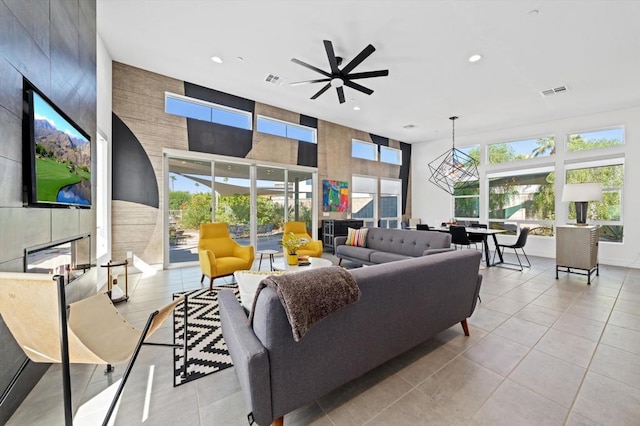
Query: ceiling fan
point(341, 77)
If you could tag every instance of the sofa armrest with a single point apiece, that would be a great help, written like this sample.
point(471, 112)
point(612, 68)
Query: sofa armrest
point(250, 358)
point(436, 251)
point(339, 241)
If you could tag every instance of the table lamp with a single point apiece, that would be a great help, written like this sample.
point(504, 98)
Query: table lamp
point(581, 194)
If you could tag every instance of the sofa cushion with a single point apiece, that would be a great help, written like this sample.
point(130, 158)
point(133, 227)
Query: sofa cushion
point(383, 257)
point(357, 237)
point(405, 242)
point(362, 253)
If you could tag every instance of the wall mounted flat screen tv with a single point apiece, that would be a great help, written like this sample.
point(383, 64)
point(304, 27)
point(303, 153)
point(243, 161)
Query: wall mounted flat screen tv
point(57, 155)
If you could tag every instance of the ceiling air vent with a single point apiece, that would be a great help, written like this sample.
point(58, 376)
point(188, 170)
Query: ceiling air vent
point(554, 91)
point(274, 79)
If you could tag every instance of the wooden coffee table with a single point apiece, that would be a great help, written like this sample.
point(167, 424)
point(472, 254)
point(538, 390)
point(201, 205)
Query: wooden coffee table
point(315, 262)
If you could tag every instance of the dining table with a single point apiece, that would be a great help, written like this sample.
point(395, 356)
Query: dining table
point(485, 236)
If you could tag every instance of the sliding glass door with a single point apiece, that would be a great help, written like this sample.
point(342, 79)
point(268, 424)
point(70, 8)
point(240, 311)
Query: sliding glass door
point(253, 199)
point(190, 201)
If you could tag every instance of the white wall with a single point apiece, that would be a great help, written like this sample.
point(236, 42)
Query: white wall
point(434, 205)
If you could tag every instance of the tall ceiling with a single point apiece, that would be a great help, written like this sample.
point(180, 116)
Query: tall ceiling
point(591, 47)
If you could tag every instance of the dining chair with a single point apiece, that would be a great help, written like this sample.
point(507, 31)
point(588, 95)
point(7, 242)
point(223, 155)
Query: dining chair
point(478, 238)
point(519, 244)
point(459, 236)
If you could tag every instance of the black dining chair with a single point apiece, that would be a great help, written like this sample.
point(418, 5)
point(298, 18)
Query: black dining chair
point(422, 227)
point(459, 236)
point(519, 244)
point(478, 238)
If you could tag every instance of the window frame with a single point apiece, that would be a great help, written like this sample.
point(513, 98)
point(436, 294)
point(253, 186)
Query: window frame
point(369, 222)
point(212, 106)
point(595, 149)
point(397, 151)
point(370, 145)
point(590, 164)
point(517, 160)
point(518, 223)
point(398, 218)
point(287, 124)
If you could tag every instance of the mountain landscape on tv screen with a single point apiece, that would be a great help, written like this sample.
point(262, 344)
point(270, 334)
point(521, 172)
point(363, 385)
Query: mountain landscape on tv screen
point(63, 165)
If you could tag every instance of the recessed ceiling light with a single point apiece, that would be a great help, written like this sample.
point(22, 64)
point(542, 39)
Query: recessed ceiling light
point(533, 12)
point(409, 126)
point(475, 58)
point(216, 59)
point(240, 58)
point(356, 108)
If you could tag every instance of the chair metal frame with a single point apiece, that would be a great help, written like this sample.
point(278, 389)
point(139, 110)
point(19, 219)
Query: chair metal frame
point(65, 359)
point(519, 244)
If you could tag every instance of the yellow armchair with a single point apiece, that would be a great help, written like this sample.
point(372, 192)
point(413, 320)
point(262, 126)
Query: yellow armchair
point(299, 230)
point(219, 254)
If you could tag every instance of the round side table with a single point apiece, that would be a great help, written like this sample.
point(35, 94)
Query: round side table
point(267, 252)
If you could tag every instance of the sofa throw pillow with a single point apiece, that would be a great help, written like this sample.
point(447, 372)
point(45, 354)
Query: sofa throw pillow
point(357, 237)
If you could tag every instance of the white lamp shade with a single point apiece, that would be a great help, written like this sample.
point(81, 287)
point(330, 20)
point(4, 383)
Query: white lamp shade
point(580, 192)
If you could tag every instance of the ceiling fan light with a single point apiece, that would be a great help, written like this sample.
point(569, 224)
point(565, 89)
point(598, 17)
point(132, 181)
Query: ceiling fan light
point(337, 82)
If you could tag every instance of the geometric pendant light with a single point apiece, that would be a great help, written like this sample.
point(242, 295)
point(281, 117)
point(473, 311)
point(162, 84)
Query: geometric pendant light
point(453, 170)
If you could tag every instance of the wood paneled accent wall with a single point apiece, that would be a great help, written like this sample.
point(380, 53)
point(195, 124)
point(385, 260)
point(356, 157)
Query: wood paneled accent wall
point(51, 43)
point(138, 102)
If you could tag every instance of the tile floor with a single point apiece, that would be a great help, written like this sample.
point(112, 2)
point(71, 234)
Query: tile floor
point(542, 352)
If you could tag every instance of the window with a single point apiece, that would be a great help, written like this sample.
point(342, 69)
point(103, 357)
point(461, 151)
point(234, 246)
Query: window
point(390, 203)
point(390, 155)
point(523, 199)
point(364, 150)
point(285, 129)
point(596, 139)
point(521, 150)
point(466, 200)
point(364, 199)
point(206, 111)
point(608, 212)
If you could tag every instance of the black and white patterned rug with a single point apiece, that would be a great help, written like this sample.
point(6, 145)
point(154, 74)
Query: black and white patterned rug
point(206, 350)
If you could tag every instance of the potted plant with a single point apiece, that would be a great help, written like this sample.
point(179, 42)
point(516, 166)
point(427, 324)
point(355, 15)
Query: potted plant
point(292, 243)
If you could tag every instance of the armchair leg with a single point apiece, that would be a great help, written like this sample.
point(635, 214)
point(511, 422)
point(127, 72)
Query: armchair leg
point(210, 283)
point(278, 422)
point(202, 279)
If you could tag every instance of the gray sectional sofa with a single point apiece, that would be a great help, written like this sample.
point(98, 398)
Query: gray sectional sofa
point(402, 304)
point(388, 245)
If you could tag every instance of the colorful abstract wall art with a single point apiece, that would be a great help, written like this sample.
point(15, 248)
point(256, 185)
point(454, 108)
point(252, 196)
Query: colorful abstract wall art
point(335, 196)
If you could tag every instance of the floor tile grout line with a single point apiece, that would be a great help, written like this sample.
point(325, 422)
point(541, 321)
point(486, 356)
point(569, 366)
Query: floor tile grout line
point(588, 369)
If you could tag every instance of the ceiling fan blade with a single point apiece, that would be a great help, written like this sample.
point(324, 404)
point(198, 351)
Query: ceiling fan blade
point(333, 62)
point(321, 91)
point(357, 87)
point(340, 91)
point(368, 74)
point(358, 59)
point(300, 83)
point(311, 67)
